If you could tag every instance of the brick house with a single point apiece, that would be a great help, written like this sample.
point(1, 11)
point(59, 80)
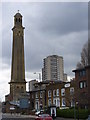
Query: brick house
point(60, 94)
point(56, 93)
point(82, 91)
point(38, 96)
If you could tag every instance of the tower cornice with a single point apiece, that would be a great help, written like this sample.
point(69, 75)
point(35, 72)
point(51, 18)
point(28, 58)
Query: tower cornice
point(18, 82)
point(18, 27)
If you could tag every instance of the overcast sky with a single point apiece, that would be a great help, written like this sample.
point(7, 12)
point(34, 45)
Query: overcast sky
point(59, 28)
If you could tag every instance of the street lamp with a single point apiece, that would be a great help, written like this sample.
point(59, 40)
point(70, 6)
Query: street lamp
point(74, 110)
point(77, 110)
point(76, 104)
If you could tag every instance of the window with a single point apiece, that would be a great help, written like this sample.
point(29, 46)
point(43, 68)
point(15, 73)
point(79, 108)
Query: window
point(82, 73)
point(19, 19)
point(81, 85)
point(58, 102)
point(71, 90)
point(49, 93)
point(84, 84)
point(72, 103)
point(54, 101)
point(22, 89)
point(36, 95)
point(49, 102)
point(63, 102)
point(41, 94)
point(63, 92)
point(57, 92)
point(37, 105)
point(54, 93)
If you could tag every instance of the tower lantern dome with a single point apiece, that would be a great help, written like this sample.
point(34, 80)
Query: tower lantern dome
point(18, 19)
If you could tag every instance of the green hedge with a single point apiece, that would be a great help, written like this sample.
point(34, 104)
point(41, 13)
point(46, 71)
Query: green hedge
point(69, 113)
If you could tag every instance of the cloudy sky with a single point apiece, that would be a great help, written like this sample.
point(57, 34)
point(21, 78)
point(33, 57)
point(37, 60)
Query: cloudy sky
point(59, 28)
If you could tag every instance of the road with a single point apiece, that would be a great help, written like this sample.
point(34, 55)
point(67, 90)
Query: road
point(32, 119)
point(25, 117)
point(17, 117)
point(0, 115)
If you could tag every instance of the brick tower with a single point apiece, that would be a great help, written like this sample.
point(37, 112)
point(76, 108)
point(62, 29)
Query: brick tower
point(17, 83)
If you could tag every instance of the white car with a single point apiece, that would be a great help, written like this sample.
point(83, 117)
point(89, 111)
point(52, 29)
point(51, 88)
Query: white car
point(39, 112)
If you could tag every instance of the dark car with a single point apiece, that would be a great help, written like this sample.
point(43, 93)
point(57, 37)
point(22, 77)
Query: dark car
point(44, 117)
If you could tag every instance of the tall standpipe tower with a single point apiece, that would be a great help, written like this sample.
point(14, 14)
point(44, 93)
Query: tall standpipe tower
point(17, 83)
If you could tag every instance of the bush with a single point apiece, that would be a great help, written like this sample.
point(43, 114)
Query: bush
point(69, 113)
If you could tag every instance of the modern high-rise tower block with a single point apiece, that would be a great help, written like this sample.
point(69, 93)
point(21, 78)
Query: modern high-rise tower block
point(53, 68)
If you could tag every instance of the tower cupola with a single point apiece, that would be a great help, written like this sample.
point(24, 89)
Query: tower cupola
point(18, 19)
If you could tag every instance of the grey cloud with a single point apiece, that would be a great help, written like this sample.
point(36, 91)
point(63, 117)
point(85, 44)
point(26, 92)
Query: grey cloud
point(68, 46)
point(50, 28)
point(62, 18)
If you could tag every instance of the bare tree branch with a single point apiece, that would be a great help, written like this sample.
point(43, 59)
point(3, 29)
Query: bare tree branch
point(84, 56)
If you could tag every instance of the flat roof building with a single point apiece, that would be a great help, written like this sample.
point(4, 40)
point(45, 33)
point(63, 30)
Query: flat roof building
point(53, 68)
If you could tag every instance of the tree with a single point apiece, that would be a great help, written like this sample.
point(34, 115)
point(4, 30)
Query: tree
point(84, 56)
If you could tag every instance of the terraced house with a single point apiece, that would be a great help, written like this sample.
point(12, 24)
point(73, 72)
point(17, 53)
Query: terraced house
point(58, 93)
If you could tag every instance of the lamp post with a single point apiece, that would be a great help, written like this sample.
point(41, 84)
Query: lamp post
point(76, 104)
point(74, 111)
point(77, 111)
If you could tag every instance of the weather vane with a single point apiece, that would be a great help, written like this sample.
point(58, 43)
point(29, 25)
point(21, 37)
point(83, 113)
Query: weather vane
point(18, 11)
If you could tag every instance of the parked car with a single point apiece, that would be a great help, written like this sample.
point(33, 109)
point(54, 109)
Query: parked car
point(44, 117)
point(39, 112)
